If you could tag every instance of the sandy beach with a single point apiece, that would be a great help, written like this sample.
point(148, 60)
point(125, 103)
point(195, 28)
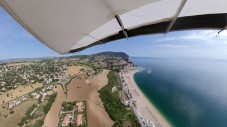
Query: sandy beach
point(146, 108)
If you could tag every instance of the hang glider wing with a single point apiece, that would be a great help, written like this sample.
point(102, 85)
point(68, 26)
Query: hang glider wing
point(69, 26)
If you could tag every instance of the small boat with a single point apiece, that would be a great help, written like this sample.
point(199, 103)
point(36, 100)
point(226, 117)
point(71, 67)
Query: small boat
point(149, 71)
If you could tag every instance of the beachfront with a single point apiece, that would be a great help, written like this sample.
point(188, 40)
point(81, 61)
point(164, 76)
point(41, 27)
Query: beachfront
point(147, 114)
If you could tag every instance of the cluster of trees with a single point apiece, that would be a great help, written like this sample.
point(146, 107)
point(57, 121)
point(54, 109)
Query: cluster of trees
point(47, 107)
point(67, 83)
point(134, 120)
point(113, 79)
point(11, 112)
point(68, 106)
point(38, 123)
point(27, 116)
point(112, 103)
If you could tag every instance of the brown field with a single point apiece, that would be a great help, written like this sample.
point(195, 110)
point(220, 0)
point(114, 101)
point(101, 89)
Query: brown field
point(75, 69)
point(12, 119)
point(127, 124)
point(100, 80)
point(50, 92)
point(18, 64)
point(78, 90)
point(52, 116)
point(97, 116)
point(19, 91)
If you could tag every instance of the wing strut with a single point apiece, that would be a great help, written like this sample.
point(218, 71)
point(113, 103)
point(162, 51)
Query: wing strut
point(121, 25)
point(175, 16)
point(221, 30)
point(95, 38)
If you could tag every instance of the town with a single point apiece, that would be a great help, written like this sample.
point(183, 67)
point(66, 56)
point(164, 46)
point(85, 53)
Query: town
point(30, 89)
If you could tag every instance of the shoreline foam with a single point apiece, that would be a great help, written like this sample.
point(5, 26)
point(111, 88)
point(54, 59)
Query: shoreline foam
point(146, 108)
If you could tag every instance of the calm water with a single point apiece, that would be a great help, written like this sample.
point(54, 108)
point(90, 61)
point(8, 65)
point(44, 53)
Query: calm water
point(189, 93)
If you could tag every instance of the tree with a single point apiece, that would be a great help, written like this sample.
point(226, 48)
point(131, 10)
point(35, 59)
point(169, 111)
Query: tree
point(11, 112)
point(38, 123)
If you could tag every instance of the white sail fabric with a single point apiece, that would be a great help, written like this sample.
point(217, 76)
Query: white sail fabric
point(66, 25)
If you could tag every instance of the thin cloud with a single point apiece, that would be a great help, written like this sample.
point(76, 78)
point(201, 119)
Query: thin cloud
point(208, 36)
point(173, 46)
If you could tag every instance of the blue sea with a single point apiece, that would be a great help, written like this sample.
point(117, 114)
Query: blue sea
point(188, 92)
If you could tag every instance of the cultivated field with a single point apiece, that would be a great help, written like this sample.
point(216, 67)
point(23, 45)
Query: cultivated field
point(71, 70)
point(50, 92)
point(19, 91)
point(100, 80)
point(52, 116)
point(79, 90)
point(97, 116)
point(19, 111)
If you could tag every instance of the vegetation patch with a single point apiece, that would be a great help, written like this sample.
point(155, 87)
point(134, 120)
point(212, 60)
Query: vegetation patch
point(68, 106)
point(112, 103)
point(51, 100)
point(71, 113)
point(27, 116)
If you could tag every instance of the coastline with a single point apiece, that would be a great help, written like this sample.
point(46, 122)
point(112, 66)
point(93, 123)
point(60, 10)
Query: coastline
point(146, 108)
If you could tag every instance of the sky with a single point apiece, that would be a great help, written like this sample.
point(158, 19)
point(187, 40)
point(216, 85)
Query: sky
point(16, 42)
